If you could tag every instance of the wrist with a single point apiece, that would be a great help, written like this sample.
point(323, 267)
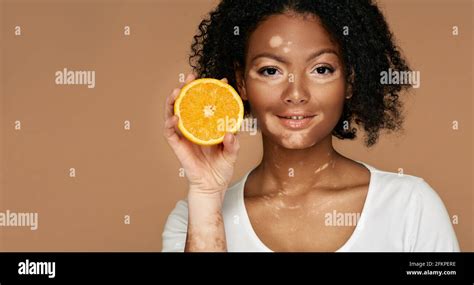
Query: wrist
point(204, 209)
point(206, 194)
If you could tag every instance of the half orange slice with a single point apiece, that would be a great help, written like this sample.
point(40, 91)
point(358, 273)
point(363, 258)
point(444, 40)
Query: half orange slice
point(208, 108)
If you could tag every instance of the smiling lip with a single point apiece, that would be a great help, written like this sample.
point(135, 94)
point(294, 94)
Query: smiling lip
point(296, 121)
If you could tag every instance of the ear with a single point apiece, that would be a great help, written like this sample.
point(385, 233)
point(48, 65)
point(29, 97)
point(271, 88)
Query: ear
point(349, 90)
point(240, 79)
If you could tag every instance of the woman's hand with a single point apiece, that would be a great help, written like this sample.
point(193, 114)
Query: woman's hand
point(208, 169)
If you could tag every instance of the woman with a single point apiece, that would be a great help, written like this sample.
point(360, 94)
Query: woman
point(307, 70)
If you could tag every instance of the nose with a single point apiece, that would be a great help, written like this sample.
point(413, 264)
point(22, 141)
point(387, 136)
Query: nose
point(296, 92)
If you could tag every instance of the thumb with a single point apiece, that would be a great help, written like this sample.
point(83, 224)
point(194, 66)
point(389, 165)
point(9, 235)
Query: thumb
point(231, 147)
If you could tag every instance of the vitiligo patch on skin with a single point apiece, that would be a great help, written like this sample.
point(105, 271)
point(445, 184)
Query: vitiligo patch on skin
point(253, 74)
point(322, 168)
point(206, 239)
point(328, 79)
point(289, 139)
point(276, 41)
point(294, 140)
point(276, 204)
point(326, 165)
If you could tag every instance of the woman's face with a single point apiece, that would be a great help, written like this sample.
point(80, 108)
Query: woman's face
point(294, 80)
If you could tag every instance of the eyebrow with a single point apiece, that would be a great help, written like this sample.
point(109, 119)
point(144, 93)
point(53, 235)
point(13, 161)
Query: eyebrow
point(283, 60)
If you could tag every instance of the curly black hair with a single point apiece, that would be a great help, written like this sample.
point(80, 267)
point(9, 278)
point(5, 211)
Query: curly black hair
point(367, 49)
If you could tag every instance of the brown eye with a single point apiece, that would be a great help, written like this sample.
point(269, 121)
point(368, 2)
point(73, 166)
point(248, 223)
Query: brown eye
point(324, 70)
point(268, 71)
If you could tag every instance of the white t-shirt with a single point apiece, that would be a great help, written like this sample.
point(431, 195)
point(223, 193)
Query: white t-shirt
point(402, 213)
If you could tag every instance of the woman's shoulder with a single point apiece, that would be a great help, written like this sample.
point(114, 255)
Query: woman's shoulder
point(399, 186)
point(395, 179)
point(411, 202)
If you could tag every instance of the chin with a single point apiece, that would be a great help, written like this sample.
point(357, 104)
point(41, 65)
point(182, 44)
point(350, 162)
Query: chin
point(295, 147)
point(296, 142)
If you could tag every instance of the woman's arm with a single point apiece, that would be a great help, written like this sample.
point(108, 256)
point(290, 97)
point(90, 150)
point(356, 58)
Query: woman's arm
point(205, 223)
point(209, 170)
point(433, 231)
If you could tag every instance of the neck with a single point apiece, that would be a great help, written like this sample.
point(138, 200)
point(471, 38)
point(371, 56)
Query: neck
point(290, 171)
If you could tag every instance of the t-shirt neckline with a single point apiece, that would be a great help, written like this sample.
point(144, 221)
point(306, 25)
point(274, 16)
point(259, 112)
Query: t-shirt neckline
point(359, 227)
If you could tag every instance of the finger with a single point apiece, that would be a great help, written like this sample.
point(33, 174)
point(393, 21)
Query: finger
point(225, 80)
point(176, 129)
point(181, 147)
point(231, 147)
point(169, 105)
point(169, 131)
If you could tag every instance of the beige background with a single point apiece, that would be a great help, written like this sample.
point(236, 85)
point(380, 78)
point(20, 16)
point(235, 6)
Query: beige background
point(134, 172)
